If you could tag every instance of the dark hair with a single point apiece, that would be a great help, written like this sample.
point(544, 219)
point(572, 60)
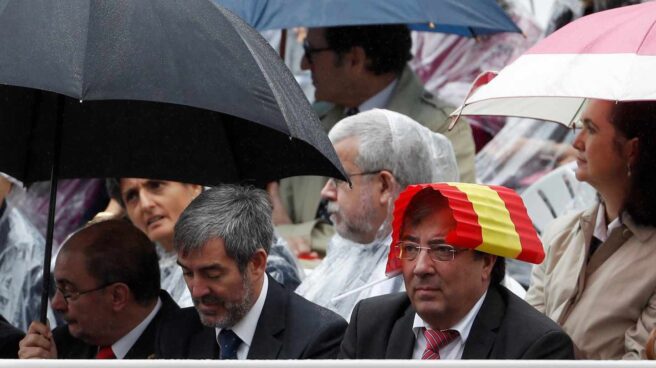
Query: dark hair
point(113, 186)
point(240, 215)
point(116, 251)
point(387, 46)
point(498, 271)
point(637, 119)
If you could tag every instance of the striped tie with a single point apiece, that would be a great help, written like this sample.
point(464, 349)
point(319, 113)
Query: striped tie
point(436, 340)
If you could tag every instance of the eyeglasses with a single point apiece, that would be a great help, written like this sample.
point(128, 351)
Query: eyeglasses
point(339, 182)
point(439, 252)
point(73, 295)
point(309, 50)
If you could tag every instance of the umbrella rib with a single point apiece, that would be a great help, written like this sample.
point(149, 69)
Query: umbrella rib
point(644, 38)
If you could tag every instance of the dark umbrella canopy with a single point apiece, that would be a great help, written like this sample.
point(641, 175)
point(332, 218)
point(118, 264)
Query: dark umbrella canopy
point(179, 90)
point(192, 53)
point(119, 138)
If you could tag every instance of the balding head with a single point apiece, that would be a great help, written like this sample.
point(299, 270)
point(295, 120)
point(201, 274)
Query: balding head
point(116, 251)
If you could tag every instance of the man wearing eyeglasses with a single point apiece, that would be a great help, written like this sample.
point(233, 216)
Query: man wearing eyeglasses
point(454, 306)
point(382, 151)
point(108, 291)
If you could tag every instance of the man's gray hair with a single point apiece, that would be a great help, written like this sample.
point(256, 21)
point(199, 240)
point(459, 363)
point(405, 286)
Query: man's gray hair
point(240, 215)
point(394, 142)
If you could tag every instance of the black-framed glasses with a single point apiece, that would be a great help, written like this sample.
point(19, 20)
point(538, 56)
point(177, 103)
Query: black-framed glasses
point(340, 182)
point(437, 252)
point(73, 295)
point(309, 50)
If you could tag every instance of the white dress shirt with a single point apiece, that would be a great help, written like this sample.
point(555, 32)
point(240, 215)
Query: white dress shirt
point(455, 348)
point(245, 328)
point(124, 344)
point(601, 231)
point(379, 100)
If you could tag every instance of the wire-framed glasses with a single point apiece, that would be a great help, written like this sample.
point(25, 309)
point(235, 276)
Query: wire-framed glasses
point(73, 295)
point(437, 252)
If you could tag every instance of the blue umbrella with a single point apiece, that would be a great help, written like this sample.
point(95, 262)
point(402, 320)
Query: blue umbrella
point(464, 18)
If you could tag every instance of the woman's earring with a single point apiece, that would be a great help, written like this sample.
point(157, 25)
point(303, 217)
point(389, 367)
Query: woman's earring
point(628, 169)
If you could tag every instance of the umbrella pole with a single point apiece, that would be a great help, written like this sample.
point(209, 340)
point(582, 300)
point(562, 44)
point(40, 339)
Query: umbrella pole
point(54, 174)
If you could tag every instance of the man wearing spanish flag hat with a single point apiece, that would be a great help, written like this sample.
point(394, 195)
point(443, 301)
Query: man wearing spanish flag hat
point(449, 241)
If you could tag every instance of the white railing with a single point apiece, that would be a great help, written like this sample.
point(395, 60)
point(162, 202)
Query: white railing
point(327, 363)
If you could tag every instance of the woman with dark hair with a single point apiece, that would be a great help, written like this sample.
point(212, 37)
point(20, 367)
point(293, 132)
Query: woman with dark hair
point(597, 280)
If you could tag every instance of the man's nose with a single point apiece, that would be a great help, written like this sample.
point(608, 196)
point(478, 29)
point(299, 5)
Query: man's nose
point(424, 265)
point(58, 302)
point(197, 288)
point(329, 191)
point(305, 63)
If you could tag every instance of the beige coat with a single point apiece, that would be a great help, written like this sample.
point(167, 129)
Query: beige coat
point(608, 304)
point(301, 194)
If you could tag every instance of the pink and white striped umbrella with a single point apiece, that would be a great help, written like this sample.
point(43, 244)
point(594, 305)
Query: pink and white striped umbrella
point(609, 55)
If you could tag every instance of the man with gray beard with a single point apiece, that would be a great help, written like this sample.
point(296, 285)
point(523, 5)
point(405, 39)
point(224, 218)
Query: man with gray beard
point(382, 152)
point(222, 239)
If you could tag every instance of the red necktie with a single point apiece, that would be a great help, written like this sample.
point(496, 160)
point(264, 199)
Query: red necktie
point(436, 339)
point(105, 352)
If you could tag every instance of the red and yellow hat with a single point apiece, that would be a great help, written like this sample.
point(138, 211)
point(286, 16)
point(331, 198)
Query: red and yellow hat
point(489, 218)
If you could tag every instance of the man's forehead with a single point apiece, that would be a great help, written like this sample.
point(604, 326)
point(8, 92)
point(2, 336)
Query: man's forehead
point(436, 217)
point(347, 150)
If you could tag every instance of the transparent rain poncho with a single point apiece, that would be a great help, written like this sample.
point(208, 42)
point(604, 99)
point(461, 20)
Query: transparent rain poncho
point(21, 267)
point(350, 270)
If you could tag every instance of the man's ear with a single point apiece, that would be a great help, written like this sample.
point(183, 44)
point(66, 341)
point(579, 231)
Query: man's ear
point(387, 186)
point(120, 294)
point(257, 264)
point(357, 58)
point(632, 149)
point(488, 265)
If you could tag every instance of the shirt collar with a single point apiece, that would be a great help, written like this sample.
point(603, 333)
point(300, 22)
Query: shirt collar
point(125, 343)
point(601, 231)
point(380, 99)
point(245, 328)
point(463, 326)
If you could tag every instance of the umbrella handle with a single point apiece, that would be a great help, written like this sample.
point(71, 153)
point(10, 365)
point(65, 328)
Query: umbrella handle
point(54, 174)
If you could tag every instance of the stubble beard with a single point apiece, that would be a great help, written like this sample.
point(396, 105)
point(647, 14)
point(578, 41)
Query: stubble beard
point(234, 312)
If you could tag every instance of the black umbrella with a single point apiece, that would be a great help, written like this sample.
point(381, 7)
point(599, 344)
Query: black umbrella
point(158, 89)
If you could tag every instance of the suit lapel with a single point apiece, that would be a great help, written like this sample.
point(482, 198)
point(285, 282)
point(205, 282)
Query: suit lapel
point(402, 340)
point(144, 347)
point(484, 330)
point(266, 343)
point(203, 345)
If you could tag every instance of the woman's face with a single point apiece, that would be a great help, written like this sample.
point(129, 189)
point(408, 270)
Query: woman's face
point(602, 153)
point(154, 206)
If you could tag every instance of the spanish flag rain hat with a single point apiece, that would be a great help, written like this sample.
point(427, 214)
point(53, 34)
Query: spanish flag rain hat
point(489, 218)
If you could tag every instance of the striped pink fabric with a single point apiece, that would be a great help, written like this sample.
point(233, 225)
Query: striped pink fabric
point(436, 339)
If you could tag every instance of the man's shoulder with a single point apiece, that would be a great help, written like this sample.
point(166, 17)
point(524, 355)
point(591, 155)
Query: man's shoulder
point(536, 336)
point(382, 309)
point(520, 314)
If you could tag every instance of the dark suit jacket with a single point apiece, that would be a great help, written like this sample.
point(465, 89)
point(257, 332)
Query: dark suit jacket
point(10, 336)
point(290, 327)
point(69, 347)
point(506, 327)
